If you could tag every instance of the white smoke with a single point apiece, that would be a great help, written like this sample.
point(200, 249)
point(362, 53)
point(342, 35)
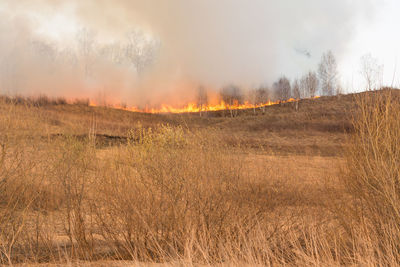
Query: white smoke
point(182, 43)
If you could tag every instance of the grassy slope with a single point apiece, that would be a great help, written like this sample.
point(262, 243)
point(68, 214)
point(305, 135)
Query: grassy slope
point(189, 190)
point(316, 129)
point(286, 167)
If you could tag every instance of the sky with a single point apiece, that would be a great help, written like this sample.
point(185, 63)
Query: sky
point(187, 43)
point(378, 36)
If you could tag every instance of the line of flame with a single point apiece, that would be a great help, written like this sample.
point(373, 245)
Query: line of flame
point(194, 108)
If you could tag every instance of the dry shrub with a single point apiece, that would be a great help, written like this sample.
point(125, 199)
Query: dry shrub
point(73, 166)
point(17, 178)
point(38, 101)
point(81, 102)
point(177, 196)
point(170, 194)
point(373, 178)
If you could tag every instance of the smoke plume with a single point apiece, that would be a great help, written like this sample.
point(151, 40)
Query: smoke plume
point(147, 52)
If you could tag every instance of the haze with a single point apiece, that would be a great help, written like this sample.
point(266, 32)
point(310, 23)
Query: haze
point(186, 43)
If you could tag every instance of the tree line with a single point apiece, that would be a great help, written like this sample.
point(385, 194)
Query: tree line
point(323, 82)
point(136, 52)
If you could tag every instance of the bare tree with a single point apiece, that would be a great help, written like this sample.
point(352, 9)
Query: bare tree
point(309, 84)
point(328, 73)
point(141, 50)
point(114, 53)
point(68, 57)
point(45, 53)
point(252, 97)
point(259, 96)
point(202, 99)
point(282, 89)
point(9, 78)
point(339, 90)
point(296, 89)
point(263, 96)
point(86, 48)
point(232, 96)
point(296, 93)
point(371, 71)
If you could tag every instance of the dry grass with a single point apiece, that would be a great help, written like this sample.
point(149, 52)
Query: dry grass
point(373, 176)
point(100, 187)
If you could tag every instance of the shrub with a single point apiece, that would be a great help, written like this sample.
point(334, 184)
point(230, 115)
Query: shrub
point(373, 174)
point(170, 193)
point(82, 102)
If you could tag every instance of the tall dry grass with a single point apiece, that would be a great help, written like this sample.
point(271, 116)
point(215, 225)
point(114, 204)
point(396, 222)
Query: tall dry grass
point(18, 177)
point(167, 195)
point(373, 176)
point(171, 194)
point(183, 197)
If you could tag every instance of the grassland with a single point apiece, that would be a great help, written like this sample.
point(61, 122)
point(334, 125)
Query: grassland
point(96, 186)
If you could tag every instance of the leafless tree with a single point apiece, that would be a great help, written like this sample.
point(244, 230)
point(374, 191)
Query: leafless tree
point(296, 89)
point(309, 84)
point(232, 96)
point(252, 98)
point(202, 99)
point(9, 74)
point(67, 57)
point(45, 53)
point(263, 96)
point(86, 48)
point(296, 93)
point(371, 71)
point(114, 53)
point(282, 89)
point(258, 96)
point(328, 73)
point(141, 50)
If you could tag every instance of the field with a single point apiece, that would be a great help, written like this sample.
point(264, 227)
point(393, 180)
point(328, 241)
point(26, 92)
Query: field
point(96, 186)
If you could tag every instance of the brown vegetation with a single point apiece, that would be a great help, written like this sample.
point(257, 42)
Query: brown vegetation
point(82, 184)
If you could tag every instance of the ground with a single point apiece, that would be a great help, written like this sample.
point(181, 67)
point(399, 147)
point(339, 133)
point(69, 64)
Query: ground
point(288, 163)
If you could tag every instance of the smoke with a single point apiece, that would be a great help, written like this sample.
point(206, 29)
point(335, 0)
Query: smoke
point(148, 52)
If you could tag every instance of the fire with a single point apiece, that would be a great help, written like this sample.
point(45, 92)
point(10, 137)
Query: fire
point(194, 108)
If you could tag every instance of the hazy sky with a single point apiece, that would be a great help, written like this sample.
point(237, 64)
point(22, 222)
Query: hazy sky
point(379, 36)
point(247, 42)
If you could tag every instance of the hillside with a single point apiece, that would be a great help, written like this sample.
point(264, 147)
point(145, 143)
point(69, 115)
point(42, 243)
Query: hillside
point(317, 128)
point(95, 184)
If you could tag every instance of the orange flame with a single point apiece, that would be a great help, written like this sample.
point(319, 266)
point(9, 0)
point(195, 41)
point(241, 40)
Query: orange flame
point(194, 108)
